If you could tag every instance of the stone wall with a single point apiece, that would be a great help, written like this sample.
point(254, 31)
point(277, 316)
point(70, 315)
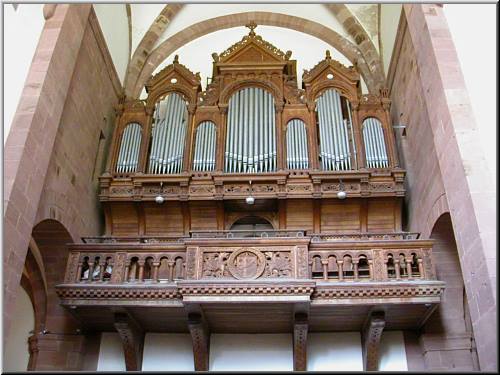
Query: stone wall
point(442, 153)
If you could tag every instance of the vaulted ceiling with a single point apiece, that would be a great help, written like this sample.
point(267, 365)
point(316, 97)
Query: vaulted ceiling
point(142, 38)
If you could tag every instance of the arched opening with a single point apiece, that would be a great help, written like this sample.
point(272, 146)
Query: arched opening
point(252, 223)
point(451, 318)
point(168, 135)
point(334, 129)
point(251, 132)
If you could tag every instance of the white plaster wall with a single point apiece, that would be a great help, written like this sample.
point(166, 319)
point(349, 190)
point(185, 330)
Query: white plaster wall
point(306, 49)
point(251, 352)
point(392, 353)
point(473, 29)
point(168, 352)
point(111, 357)
point(22, 27)
point(16, 353)
point(334, 351)
point(114, 24)
point(389, 20)
point(194, 13)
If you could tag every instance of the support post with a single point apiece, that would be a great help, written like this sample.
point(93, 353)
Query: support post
point(132, 337)
point(200, 336)
point(371, 336)
point(300, 327)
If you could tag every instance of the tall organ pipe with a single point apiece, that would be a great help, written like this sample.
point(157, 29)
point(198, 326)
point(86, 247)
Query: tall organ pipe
point(296, 141)
point(128, 155)
point(375, 150)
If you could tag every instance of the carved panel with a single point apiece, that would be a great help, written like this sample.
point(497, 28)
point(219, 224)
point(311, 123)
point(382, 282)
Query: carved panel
point(71, 268)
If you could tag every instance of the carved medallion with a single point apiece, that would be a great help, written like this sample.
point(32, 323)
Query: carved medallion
point(246, 263)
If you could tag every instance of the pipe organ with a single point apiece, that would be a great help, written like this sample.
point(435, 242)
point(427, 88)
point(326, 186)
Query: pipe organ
point(128, 157)
point(168, 135)
point(204, 151)
point(296, 145)
point(253, 118)
point(373, 136)
point(251, 132)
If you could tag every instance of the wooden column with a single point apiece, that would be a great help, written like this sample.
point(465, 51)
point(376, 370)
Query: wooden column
point(280, 155)
point(146, 132)
point(220, 215)
point(282, 213)
point(221, 138)
point(371, 336)
point(115, 141)
point(200, 336)
point(357, 129)
point(313, 137)
point(317, 215)
point(186, 217)
point(186, 162)
point(390, 139)
point(132, 337)
point(300, 327)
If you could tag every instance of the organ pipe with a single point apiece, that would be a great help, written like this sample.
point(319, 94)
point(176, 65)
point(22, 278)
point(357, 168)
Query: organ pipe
point(333, 132)
point(168, 135)
point(251, 132)
point(296, 143)
point(375, 150)
point(128, 156)
point(204, 151)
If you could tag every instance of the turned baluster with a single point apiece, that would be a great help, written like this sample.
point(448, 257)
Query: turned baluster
point(408, 268)
point(79, 272)
point(141, 270)
point(101, 269)
point(156, 266)
point(324, 262)
point(420, 263)
point(341, 270)
point(127, 275)
point(170, 270)
point(396, 268)
point(91, 271)
point(356, 271)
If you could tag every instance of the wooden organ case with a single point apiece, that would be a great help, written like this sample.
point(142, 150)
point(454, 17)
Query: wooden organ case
point(184, 252)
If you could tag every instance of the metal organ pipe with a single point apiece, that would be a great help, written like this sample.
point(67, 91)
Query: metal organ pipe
point(204, 152)
point(334, 139)
point(296, 141)
point(128, 156)
point(375, 150)
point(169, 132)
point(251, 134)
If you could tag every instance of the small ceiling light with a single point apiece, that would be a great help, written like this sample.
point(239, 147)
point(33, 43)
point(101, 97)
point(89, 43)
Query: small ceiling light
point(329, 76)
point(341, 194)
point(159, 198)
point(250, 199)
point(173, 80)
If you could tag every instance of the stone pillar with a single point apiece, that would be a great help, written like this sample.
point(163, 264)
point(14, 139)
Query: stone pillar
point(29, 146)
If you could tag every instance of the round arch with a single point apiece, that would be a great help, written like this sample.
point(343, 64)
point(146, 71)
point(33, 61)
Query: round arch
point(167, 47)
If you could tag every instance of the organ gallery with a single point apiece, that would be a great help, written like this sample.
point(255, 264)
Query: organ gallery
point(319, 248)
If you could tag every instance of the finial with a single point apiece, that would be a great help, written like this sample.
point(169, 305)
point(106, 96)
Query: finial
point(252, 25)
point(288, 55)
point(176, 59)
point(328, 56)
point(215, 56)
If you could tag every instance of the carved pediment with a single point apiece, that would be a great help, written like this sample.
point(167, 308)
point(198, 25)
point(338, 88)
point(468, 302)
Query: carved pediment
point(177, 72)
point(327, 66)
point(252, 49)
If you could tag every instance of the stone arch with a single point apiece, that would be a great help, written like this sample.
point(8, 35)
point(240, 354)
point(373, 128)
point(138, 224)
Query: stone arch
point(51, 238)
point(148, 41)
point(450, 322)
point(348, 49)
point(439, 208)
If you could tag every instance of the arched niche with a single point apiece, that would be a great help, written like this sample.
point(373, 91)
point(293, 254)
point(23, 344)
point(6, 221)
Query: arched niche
point(252, 223)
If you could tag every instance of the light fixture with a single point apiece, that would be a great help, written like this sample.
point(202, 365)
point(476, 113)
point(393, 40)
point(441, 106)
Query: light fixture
point(329, 76)
point(159, 198)
point(173, 80)
point(250, 199)
point(341, 193)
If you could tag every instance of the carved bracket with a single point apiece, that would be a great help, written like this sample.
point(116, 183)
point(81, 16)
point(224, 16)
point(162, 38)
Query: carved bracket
point(132, 337)
point(300, 328)
point(201, 340)
point(372, 334)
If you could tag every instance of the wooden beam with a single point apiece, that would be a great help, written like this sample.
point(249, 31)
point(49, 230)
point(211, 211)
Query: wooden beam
point(371, 335)
point(132, 337)
point(300, 327)
point(200, 336)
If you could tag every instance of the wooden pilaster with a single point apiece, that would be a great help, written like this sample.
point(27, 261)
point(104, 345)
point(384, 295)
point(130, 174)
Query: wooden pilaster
point(371, 336)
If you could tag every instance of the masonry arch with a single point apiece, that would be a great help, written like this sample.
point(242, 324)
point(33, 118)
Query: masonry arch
point(167, 47)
